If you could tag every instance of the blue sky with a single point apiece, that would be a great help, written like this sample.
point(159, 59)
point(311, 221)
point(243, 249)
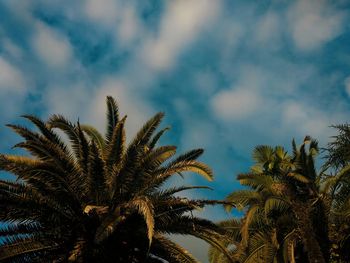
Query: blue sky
point(228, 74)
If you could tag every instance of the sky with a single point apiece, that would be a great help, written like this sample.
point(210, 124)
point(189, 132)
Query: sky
point(228, 74)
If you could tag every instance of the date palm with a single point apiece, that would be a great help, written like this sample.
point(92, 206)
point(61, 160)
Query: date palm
point(96, 199)
point(281, 206)
point(337, 189)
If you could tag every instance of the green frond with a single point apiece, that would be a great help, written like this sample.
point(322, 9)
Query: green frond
point(288, 246)
point(242, 198)
point(313, 148)
point(170, 191)
point(144, 135)
point(41, 147)
point(76, 136)
point(156, 137)
point(46, 131)
point(202, 229)
point(157, 156)
point(216, 243)
point(275, 204)
point(30, 170)
point(96, 174)
point(60, 122)
point(298, 177)
point(94, 135)
point(215, 256)
point(189, 156)
point(31, 203)
point(116, 144)
point(246, 222)
point(280, 153)
point(112, 117)
point(170, 251)
point(295, 149)
point(83, 150)
point(257, 255)
point(183, 166)
point(145, 208)
point(256, 181)
point(24, 247)
point(263, 154)
point(19, 229)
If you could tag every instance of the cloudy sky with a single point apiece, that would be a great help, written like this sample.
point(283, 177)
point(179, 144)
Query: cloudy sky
point(228, 74)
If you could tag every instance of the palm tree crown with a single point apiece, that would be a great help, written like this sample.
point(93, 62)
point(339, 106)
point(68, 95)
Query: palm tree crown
point(96, 199)
point(285, 214)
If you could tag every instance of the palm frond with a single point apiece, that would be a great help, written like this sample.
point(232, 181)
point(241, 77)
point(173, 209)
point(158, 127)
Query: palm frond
point(24, 247)
point(112, 117)
point(156, 137)
point(116, 146)
point(243, 198)
point(143, 136)
point(256, 181)
point(96, 174)
point(263, 154)
point(191, 166)
point(275, 204)
point(108, 225)
point(189, 156)
point(170, 251)
point(94, 135)
point(145, 208)
point(46, 131)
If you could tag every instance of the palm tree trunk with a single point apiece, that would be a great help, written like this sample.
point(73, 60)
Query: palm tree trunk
point(306, 229)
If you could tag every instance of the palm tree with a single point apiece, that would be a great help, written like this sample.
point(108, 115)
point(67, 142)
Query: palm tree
point(284, 208)
point(96, 199)
point(337, 189)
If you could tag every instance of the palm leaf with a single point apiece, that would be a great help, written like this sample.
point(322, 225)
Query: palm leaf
point(112, 117)
point(156, 137)
point(171, 251)
point(24, 247)
point(275, 204)
point(256, 181)
point(192, 166)
point(263, 154)
point(116, 146)
point(145, 208)
point(146, 131)
point(94, 135)
point(242, 198)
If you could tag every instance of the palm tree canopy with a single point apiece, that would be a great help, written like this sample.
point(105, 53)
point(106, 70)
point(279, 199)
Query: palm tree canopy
point(96, 198)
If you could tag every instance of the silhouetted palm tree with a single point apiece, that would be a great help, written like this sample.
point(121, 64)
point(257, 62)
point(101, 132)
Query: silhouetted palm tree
point(96, 199)
point(284, 209)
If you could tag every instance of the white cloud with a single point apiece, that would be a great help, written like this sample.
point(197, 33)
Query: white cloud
point(235, 104)
point(11, 78)
point(306, 120)
point(51, 46)
point(71, 101)
point(105, 11)
point(182, 22)
point(129, 26)
point(130, 104)
point(314, 22)
point(11, 48)
point(89, 105)
point(268, 29)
